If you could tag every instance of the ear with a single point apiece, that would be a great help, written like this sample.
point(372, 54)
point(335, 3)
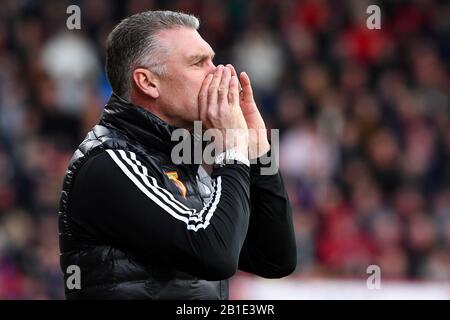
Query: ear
point(146, 82)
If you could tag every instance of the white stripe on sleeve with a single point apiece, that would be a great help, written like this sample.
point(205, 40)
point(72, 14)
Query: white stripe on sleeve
point(162, 197)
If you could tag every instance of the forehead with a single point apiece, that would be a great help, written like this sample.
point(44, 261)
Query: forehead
point(184, 42)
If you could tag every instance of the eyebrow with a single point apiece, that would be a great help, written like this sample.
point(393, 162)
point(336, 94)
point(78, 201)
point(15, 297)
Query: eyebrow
point(200, 57)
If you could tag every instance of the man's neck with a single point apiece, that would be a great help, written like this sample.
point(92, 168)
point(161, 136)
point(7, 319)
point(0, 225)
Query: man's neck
point(208, 168)
point(158, 111)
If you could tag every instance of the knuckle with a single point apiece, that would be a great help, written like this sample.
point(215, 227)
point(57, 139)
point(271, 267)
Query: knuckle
point(211, 113)
point(222, 89)
point(212, 88)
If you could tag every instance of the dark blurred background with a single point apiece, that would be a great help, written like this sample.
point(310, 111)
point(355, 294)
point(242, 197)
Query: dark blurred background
point(364, 118)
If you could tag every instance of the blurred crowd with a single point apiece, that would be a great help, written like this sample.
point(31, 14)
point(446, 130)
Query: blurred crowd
point(364, 119)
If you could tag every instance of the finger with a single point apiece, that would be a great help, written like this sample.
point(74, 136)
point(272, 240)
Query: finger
point(233, 93)
point(233, 70)
point(203, 97)
point(234, 73)
point(247, 91)
point(212, 90)
point(222, 92)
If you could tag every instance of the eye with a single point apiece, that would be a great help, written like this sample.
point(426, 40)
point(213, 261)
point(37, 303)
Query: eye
point(199, 63)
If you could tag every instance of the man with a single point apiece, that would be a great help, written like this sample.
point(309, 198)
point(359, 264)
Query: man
point(139, 226)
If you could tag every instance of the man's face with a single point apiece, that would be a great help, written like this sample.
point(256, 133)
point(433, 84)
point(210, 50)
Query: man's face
point(188, 62)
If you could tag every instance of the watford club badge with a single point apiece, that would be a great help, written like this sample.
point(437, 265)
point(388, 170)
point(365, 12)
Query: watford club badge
point(173, 175)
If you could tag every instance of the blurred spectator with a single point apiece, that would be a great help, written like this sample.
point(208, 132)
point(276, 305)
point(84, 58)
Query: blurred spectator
point(72, 64)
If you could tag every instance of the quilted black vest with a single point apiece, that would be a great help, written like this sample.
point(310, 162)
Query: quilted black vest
point(130, 274)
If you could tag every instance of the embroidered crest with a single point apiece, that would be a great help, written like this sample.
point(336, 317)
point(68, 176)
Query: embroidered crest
point(173, 176)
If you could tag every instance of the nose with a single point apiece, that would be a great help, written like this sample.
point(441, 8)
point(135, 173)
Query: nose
point(211, 68)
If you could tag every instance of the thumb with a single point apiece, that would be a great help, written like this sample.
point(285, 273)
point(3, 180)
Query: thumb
point(247, 91)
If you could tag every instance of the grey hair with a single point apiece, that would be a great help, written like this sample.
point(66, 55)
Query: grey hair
point(133, 43)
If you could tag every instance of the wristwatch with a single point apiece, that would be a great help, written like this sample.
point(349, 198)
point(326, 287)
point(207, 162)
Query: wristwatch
point(230, 156)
